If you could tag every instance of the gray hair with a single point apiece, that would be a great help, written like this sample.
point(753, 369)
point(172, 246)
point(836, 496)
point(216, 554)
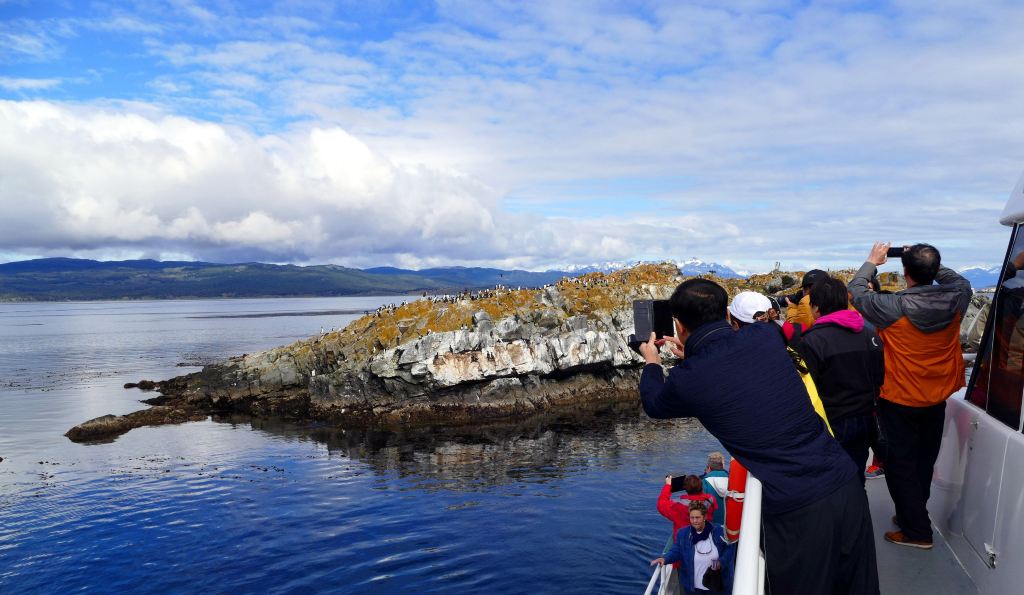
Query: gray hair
point(716, 461)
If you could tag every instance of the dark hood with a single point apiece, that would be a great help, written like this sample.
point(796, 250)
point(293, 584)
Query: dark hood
point(932, 308)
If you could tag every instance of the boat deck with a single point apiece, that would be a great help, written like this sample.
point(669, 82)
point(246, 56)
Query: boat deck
point(904, 570)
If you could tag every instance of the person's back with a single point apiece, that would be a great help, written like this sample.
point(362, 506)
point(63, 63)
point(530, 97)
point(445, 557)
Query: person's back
point(749, 307)
point(799, 310)
point(846, 361)
point(920, 330)
point(676, 512)
point(847, 364)
point(755, 404)
point(716, 483)
point(920, 327)
point(694, 487)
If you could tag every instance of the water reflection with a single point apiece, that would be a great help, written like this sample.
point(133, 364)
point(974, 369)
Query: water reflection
point(560, 502)
point(536, 449)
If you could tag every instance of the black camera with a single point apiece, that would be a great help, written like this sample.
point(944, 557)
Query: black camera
point(650, 316)
point(895, 252)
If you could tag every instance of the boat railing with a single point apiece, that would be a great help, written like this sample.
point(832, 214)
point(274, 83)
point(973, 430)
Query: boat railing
point(749, 577)
point(662, 573)
point(750, 567)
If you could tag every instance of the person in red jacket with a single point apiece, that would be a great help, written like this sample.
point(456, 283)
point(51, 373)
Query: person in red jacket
point(679, 511)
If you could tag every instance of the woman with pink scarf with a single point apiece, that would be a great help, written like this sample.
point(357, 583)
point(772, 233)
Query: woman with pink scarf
point(846, 362)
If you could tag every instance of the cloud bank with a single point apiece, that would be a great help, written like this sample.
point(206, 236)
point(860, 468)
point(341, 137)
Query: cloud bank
point(88, 179)
point(512, 134)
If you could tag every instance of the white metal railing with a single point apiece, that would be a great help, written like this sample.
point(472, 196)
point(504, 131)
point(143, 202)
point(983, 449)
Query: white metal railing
point(664, 572)
point(653, 581)
point(749, 577)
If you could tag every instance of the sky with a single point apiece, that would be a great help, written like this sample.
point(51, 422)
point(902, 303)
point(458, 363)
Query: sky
point(514, 134)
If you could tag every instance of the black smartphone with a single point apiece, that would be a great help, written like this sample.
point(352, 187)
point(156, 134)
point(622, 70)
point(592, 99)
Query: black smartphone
point(677, 483)
point(895, 252)
point(650, 316)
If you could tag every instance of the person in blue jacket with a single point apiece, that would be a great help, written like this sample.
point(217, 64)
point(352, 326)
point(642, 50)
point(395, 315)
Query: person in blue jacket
point(699, 548)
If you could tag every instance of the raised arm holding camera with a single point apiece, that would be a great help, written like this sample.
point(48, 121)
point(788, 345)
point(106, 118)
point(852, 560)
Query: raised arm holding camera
point(920, 332)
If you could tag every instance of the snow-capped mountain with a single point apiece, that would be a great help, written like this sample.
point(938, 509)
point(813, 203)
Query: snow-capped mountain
point(694, 266)
point(980, 276)
point(690, 266)
point(600, 267)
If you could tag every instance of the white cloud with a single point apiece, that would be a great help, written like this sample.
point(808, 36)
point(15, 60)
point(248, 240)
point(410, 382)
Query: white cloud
point(82, 178)
point(34, 45)
point(27, 84)
point(766, 131)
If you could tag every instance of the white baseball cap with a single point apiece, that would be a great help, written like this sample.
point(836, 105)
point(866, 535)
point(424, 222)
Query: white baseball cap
point(748, 303)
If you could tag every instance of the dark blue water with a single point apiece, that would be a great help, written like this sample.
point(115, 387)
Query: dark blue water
point(237, 505)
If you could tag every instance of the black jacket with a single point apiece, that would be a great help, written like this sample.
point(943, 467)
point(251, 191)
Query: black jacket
point(847, 365)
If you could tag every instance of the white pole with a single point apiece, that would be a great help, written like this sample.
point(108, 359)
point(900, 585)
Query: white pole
point(666, 579)
point(654, 579)
point(748, 566)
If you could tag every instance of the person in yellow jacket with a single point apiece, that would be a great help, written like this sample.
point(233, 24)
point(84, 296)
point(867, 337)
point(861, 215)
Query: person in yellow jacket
point(798, 309)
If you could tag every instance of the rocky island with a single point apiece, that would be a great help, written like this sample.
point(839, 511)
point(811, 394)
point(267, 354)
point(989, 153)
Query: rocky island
point(472, 358)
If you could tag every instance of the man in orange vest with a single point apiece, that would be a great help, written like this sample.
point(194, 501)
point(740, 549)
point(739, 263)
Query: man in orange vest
point(920, 331)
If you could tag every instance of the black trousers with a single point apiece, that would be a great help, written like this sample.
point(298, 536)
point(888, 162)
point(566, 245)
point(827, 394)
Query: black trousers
point(856, 435)
point(824, 547)
point(914, 435)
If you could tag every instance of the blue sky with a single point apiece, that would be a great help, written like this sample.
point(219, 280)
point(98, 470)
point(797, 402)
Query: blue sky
point(527, 135)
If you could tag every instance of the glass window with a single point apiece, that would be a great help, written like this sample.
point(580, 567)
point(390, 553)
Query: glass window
point(997, 384)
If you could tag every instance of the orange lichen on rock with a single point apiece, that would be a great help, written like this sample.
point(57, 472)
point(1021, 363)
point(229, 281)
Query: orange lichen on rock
point(593, 296)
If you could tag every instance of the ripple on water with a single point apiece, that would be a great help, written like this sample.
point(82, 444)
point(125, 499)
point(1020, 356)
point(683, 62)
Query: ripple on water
point(288, 512)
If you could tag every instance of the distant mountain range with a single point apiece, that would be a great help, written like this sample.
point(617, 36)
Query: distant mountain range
point(74, 279)
point(690, 266)
point(981, 277)
point(56, 279)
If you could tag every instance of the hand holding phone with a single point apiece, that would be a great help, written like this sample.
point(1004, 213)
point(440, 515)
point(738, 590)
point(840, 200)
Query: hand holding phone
point(879, 253)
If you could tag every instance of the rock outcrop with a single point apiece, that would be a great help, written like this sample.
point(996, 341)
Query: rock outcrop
point(500, 354)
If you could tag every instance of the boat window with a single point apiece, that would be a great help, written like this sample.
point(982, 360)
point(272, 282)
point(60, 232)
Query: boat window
point(997, 384)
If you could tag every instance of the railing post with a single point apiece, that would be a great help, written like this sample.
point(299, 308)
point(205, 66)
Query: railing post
point(749, 568)
point(653, 581)
point(666, 577)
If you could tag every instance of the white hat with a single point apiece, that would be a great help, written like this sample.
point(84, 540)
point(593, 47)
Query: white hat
point(748, 303)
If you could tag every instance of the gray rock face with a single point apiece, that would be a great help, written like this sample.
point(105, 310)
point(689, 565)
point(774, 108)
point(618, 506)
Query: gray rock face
point(782, 282)
point(485, 365)
point(543, 354)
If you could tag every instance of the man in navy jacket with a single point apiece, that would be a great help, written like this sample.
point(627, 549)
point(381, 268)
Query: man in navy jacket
point(743, 387)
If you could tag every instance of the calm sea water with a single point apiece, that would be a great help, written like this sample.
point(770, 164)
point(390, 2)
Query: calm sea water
point(562, 504)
